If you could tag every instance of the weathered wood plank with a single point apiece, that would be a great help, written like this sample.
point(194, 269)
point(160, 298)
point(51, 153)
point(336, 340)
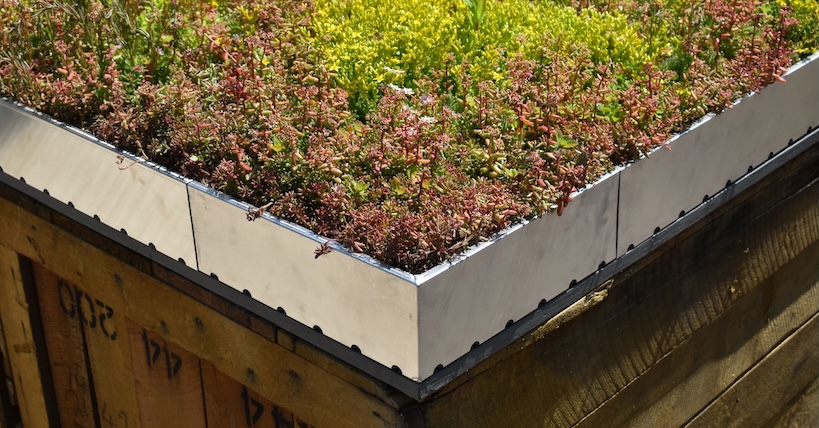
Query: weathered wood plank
point(66, 347)
point(168, 381)
point(98, 344)
point(274, 372)
point(109, 354)
point(4, 353)
point(231, 404)
point(802, 412)
point(14, 310)
point(6, 389)
point(336, 368)
point(685, 380)
point(769, 386)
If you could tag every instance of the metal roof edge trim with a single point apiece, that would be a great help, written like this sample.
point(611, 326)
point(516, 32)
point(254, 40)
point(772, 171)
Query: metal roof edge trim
point(303, 332)
point(307, 233)
point(585, 286)
point(420, 390)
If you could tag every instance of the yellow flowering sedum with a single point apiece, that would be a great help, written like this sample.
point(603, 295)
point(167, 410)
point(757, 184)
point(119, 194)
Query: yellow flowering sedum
point(806, 34)
point(370, 42)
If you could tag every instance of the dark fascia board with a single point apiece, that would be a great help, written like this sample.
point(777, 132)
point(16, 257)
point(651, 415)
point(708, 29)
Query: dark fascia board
point(418, 391)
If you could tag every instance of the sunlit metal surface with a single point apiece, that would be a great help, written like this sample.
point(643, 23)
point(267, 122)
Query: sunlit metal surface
point(475, 298)
point(150, 204)
point(654, 191)
point(353, 302)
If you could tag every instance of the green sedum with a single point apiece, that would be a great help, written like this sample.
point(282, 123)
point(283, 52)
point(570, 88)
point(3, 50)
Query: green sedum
point(369, 43)
point(364, 39)
point(806, 34)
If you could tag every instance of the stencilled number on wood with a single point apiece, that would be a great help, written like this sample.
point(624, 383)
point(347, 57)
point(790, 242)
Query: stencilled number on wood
point(113, 421)
point(154, 350)
point(91, 312)
point(255, 411)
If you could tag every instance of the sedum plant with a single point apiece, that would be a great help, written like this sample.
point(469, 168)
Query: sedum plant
point(406, 130)
point(370, 43)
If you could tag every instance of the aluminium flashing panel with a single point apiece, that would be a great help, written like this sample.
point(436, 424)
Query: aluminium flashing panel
point(475, 297)
point(354, 302)
point(602, 278)
point(720, 148)
point(148, 203)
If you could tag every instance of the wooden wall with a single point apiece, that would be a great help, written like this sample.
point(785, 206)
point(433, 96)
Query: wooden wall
point(100, 337)
point(719, 327)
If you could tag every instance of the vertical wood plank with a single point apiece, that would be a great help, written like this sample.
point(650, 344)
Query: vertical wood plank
point(4, 353)
point(232, 404)
point(113, 380)
point(66, 348)
point(8, 412)
point(14, 310)
point(87, 349)
point(168, 381)
point(109, 358)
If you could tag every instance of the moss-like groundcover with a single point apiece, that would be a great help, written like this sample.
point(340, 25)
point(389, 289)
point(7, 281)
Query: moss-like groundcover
point(408, 129)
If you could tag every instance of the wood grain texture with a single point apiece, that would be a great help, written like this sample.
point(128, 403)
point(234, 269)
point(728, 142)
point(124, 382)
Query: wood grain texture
point(564, 375)
point(228, 403)
point(168, 381)
point(231, 404)
point(686, 379)
point(4, 353)
point(66, 347)
point(109, 355)
point(6, 388)
point(87, 348)
point(276, 373)
point(14, 310)
point(760, 395)
point(801, 412)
